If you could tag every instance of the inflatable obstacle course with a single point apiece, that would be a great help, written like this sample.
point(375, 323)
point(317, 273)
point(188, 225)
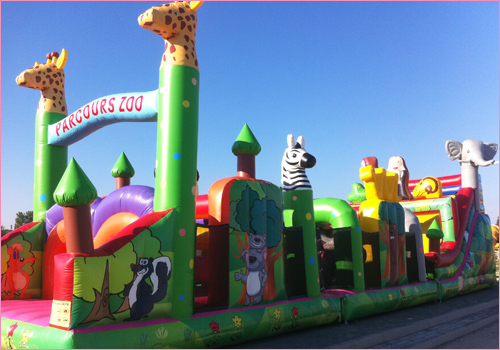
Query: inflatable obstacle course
point(144, 267)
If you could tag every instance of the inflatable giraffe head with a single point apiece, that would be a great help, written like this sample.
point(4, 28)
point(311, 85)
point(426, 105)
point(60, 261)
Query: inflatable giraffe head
point(49, 79)
point(176, 23)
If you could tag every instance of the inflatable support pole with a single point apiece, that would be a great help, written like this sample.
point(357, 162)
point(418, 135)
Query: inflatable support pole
point(177, 141)
point(50, 161)
point(50, 164)
point(176, 188)
point(299, 212)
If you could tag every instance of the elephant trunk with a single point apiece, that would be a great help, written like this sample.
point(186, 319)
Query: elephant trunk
point(470, 178)
point(469, 174)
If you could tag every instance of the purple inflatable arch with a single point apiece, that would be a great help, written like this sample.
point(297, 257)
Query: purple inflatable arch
point(134, 199)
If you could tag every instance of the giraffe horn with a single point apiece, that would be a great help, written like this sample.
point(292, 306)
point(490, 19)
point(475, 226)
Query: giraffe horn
point(61, 61)
point(36, 63)
point(196, 5)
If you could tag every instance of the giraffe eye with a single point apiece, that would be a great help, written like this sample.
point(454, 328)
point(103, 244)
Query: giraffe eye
point(44, 73)
point(175, 13)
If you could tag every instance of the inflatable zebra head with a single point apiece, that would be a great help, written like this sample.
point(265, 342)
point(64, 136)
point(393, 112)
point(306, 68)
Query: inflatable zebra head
point(294, 164)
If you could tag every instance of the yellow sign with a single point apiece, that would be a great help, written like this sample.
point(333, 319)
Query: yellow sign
point(61, 313)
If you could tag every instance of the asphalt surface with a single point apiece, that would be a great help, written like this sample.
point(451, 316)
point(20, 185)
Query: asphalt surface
point(424, 326)
point(486, 336)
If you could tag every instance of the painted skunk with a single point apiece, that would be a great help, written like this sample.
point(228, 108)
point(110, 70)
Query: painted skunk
point(141, 296)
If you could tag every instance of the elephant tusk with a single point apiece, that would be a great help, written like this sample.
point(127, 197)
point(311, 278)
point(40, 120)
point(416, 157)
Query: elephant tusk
point(474, 164)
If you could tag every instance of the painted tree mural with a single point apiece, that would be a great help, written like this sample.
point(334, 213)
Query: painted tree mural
point(254, 212)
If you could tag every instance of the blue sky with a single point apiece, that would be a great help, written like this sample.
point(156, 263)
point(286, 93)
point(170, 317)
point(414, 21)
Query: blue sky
point(356, 79)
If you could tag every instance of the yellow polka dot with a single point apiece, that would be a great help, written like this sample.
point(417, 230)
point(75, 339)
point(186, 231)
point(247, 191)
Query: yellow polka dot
point(38, 162)
point(308, 216)
point(163, 184)
point(185, 103)
point(191, 263)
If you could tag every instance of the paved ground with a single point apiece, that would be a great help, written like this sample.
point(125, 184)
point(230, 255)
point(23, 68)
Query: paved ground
point(486, 336)
point(426, 326)
point(448, 327)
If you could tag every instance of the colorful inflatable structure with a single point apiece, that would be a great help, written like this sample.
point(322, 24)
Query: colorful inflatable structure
point(165, 267)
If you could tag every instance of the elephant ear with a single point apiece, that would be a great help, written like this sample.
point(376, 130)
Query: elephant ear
point(454, 149)
point(489, 150)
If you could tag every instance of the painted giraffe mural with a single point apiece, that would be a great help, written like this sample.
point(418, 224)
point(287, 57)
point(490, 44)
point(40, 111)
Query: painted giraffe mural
point(177, 136)
point(50, 161)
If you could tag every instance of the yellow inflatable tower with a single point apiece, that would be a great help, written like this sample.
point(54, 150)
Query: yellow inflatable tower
point(382, 223)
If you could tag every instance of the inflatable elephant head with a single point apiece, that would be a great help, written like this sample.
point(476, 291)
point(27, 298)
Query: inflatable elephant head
point(472, 154)
point(473, 151)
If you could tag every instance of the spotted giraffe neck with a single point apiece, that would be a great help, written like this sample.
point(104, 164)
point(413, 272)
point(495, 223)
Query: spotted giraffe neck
point(53, 99)
point(180, 50)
